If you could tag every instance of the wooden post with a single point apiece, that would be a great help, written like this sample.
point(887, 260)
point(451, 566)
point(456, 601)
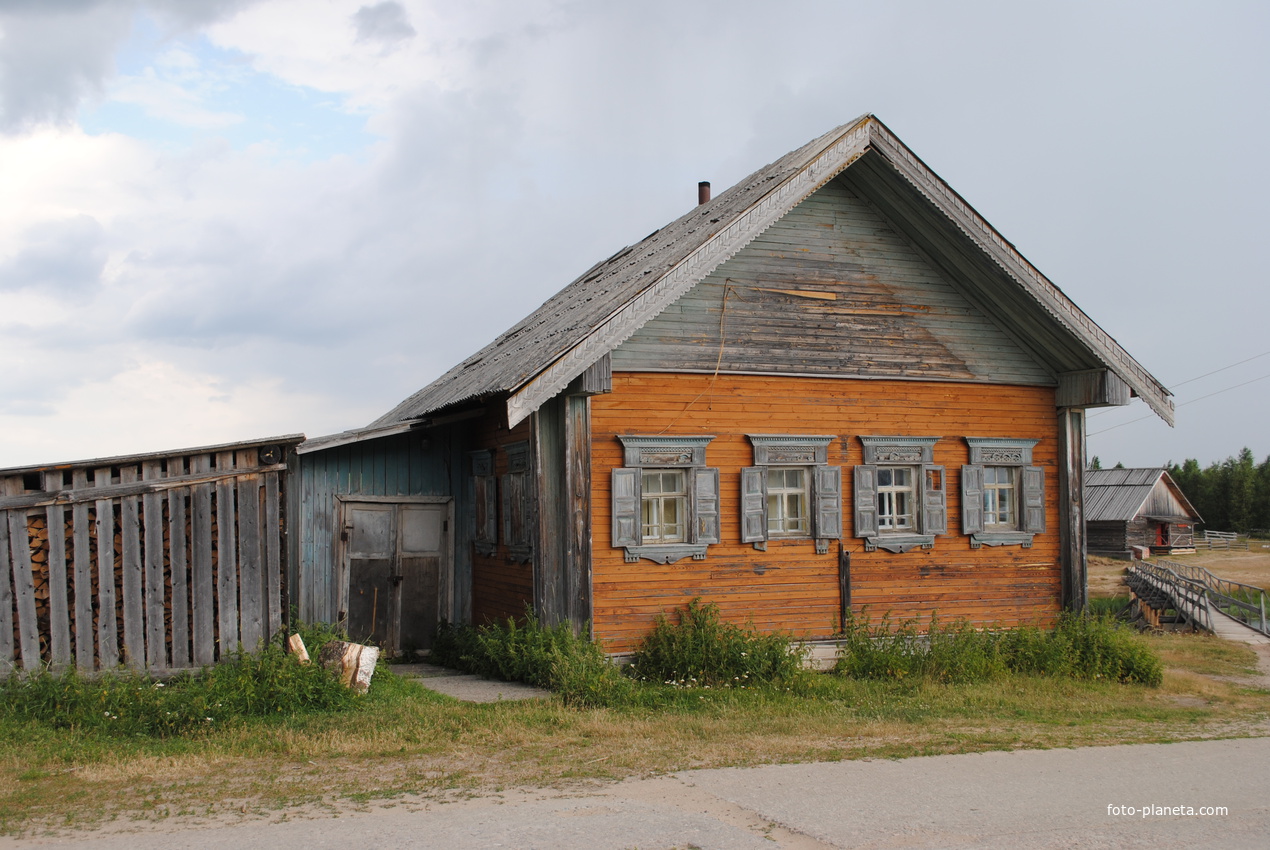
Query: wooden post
point(578, 507)
point(202, 591)
point(133, 586)
point(1071, 514)
point(155, 616)
point(107, 623)
point(226, 557)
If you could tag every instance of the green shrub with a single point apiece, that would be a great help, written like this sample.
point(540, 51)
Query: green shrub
point(269, 682)
point(548, 657)
point(1080, 646)
point(699, 649)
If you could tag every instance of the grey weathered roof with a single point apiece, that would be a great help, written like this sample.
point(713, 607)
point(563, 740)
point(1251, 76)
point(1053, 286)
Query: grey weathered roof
point(1119, 495)
point(601, 309)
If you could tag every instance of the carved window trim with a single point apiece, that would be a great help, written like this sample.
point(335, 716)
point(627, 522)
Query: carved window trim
point(1029, 491)
point(822, 489)
point(650, 452)
point(929, 492)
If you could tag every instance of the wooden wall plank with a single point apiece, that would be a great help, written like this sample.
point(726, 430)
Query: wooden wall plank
point(23, 582)
point(82, 557)
point(250, 587)
point(226, 559)
point(59, 588)
point(107, 618)
point(6, 597)
point(155, 595)
point(179, 566)
point(202, 590)
point(133, 585)
point(274, 562)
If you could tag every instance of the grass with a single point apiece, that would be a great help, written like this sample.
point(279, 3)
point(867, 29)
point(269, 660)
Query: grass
point(402, 740)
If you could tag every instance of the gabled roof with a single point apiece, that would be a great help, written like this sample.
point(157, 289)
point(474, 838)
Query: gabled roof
point(575, 328)
point(1119, 495)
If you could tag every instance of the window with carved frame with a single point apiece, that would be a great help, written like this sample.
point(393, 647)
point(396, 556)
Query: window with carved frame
point(1002, 493)
point(665, 500)
point(791, 492)
point(900, 499)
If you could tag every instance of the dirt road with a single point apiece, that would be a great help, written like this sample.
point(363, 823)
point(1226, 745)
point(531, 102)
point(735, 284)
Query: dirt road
point(1089, 798)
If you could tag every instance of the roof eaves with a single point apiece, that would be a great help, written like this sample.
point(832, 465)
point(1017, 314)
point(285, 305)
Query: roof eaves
point(1048, 296)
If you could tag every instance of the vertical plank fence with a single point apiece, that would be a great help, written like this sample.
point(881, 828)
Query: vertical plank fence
point(163, 561)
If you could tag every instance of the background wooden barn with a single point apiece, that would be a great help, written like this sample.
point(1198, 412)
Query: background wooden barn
point(1145, 508)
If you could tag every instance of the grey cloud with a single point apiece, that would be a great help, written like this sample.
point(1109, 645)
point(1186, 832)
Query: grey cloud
point(62, 256)
point(54, 56)
point(383, 22)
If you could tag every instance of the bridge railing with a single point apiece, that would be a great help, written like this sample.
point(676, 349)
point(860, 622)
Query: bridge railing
point(1244, 602)
point(1189, 596)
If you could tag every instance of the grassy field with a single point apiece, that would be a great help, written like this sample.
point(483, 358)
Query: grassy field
point(405, 744)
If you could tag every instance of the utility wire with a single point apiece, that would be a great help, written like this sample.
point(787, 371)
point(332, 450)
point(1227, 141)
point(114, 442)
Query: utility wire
point(1191, 381)
point(1183, 404)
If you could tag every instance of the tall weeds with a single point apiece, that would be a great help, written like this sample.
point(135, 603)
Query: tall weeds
point(1081, 647)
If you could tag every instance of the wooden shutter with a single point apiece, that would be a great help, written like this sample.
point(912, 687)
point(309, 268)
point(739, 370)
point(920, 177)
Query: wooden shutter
point(705, 505)
point(972, 499)
point(754, 504)
point(826, 493)
point(866, 501)
point(934, 501)
point(1033, 499)
point(505, 491)
point(626, 517)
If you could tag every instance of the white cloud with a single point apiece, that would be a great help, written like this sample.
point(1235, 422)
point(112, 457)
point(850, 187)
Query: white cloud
point(169, 101)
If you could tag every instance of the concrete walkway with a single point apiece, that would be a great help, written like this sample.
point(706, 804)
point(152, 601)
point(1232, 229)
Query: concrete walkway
point(1195, 794)
point(465, 686)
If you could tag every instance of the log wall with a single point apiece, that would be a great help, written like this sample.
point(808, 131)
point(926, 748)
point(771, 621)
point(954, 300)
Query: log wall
point(789, 586)
point(157, 562)
point(502, 584)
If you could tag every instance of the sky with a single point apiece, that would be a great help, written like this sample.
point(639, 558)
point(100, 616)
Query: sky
point(223, 220)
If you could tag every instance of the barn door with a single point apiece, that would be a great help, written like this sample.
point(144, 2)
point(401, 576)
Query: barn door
point(423, 544)
point(370, 534)
point(395, 557)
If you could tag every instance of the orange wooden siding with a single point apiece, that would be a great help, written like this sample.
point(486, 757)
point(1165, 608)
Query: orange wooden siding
point(790, 587)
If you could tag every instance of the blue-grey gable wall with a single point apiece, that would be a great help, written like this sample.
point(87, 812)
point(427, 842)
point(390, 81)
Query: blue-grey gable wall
point(417, 463)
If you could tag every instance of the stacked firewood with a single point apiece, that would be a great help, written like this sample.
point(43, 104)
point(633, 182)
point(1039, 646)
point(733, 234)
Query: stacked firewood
point(38, 538)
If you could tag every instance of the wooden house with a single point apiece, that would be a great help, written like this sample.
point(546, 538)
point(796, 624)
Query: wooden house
point(831, 387)
point(1142, 508)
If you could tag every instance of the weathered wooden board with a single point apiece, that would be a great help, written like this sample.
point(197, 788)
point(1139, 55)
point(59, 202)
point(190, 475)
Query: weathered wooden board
point(179, 572)
point(132, 585)
point(250, 585)
point(202, 592)
point(6, 598)
point(226, 560)
point(59, 587)
point(107, 622)
point(272, 534)
point(81, 531)
point(156, 619)
point(830, 289)
point(23, 583)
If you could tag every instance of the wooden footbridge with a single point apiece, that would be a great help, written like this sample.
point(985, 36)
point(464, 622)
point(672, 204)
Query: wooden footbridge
point(1168, 591)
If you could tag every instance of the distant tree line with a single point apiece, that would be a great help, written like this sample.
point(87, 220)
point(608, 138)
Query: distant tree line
point(1232, 495)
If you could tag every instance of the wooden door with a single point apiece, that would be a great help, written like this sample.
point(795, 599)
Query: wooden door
point(370, 534)
point(395, 557)
point(423, 532)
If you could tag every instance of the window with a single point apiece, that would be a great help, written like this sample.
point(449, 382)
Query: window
point(787, 502)
point(664, 506)
point(791, 492)
point(1002, 494)
point(900, 501)
point(517, 493)
point(665, 499)
point(485, 494)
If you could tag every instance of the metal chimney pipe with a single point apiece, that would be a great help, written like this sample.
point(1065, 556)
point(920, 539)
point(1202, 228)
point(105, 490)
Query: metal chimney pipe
point(703, 192)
